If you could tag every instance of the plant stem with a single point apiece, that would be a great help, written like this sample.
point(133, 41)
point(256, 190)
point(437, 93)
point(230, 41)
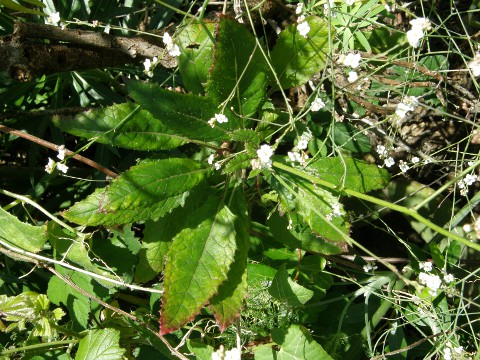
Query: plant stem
point(401, 209)
point(50, 345)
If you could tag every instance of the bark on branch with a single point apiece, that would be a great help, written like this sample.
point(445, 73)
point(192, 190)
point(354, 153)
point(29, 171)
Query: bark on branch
point(25, 54)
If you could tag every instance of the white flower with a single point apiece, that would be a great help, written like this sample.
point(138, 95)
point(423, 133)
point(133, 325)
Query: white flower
point(447, 354)
point(303, 29)
point(476, 226)
point(432, 282)
point(448, 278)
point(221, 354)
point(299, 9)
point(149, 65)
point(382, 151)
point(220, 118)
point(62, 167)
point(414, 36)
point(415, 160)
point(61, 152)
point(427, 266)
point(317, 104)
point(211, 158)
point(217, 165)
point(352, 60)
point(302, 144)
point(264, 154)
point(50, 166)
point(474, 65)
point(350, 2)
point(421, 23)
point(470, 179)
point(389, 162)
point(458, 349)
point(369, 267)
point(256, 164)
point(408, 104)
point(53, 19)
point(352, 76)
point(172, 49)
point(336, 209)
point(403, 166)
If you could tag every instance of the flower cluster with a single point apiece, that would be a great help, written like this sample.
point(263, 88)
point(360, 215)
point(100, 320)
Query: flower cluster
point(474, 65)
point(221, 354)
point(370, 267)
point(217, 164)
point(407, 104)
point(220, 118)
point(447, 351)
point(297, 154)
point(172, 49)
point(352, 60)
point(52, 164)
point(263, 161)
point(464, 183)
point(336, 211)
point(416, 33)
point(149, 65)
point(383, 154)
point(302, 26)
point(431, 281)
point(317, 104)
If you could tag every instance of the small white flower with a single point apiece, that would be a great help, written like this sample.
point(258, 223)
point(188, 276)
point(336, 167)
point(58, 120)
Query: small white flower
point(382, 151)
point(447, 354)
point(217, 165)
point(317, 104)
point(62, 167)
point(303, 29)
point(336, 209)
point(458, 349)
point(369, 267)
point(352, 60)
point(299, 9)
point(220, 118)
point(474, 65)
point(264, 154)
point(61, 152)
point(415, 160)
point(403, 166)
point(414, 36)
point(211, 158)
point(53, 19)
point(172, 49)
point(432, 282)
point(149, 65)
point(402, 109)
point(167, 39)
point(427, 266)
point(256, 164)
point(476, 226)
point(350, 2)
point(50, 166)
point(448, 278)
point(470, 179)
point(221, 354)
point(352, 76)
point(389, 162)
point(421, 23)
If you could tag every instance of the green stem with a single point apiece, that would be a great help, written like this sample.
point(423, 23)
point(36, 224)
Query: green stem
point(49, 345)
point(401, 209)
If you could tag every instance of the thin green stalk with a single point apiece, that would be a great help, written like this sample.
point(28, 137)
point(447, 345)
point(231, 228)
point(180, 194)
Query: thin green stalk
point(48, 346)
point(401, 209)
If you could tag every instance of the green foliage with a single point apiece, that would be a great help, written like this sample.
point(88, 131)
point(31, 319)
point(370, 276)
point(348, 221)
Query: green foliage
point(272, 191)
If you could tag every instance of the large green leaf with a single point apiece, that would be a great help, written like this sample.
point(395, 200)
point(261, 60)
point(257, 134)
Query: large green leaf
point(295, 58)
point(228, 302)
point(350, 173)
point(239, 75)
point(317, 207)
point(198, 262)
point(17, 7)
point(196, 57)
point(148, 190)
point(20, 234)
point(351, 138)
point(101, 344)
point(124, 125)
point(285, 289)
point(185, 114)
point(297, 343)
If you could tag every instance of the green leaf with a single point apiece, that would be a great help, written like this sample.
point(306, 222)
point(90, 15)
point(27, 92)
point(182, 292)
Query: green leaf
point(196, 55)
point(297, 343)
point(198, 262)
point(69, 247)
point(184, 114)
point(351, 138)
point(350, 173)
point(124, 125)
point(228, 302)
point(298, 235)
point(100, 345)
point(17, 7)
point(201, 350)
point(314, 205)
point(239, 75)
point(295, 58)
point(148, 190)
point(285, 289)
point(25, 236)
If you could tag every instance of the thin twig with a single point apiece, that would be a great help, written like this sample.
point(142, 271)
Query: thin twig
point(55, 147)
